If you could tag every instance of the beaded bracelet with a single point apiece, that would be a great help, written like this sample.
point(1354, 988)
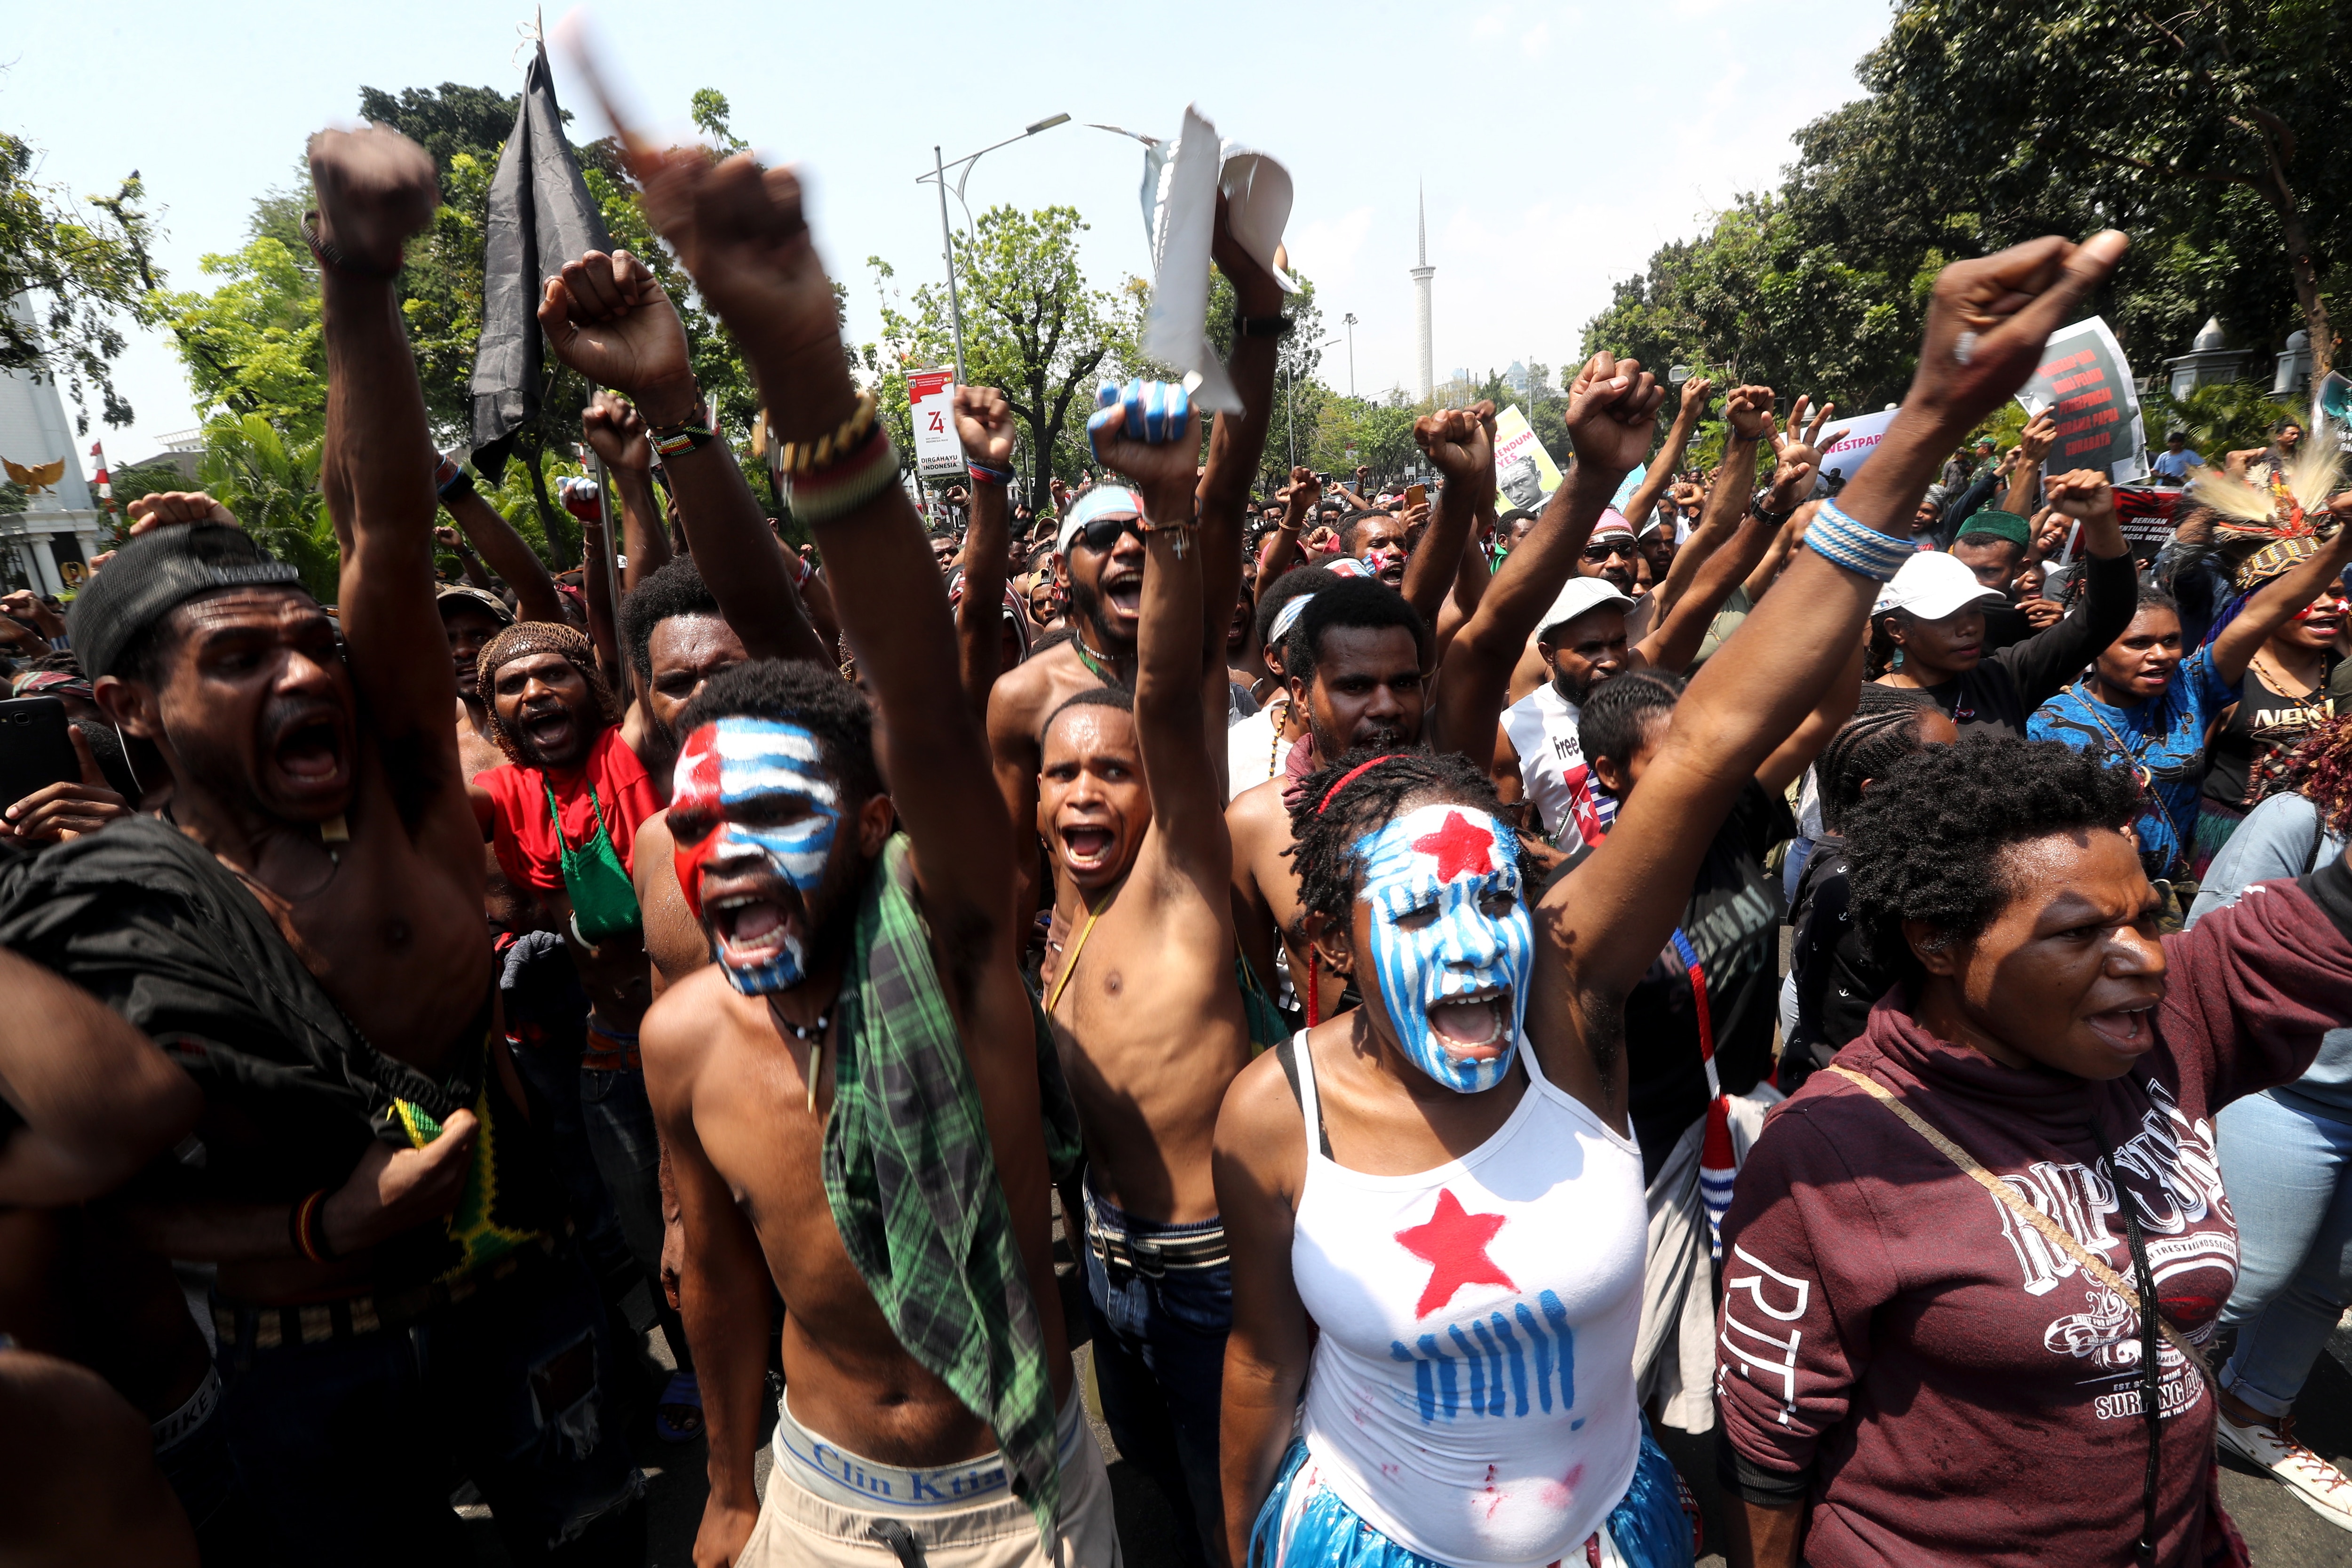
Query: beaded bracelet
point(843, 487)
point(679, 439)
point(807, 457)
point(1855, 546)
point(307, 1229)
point(982, 474)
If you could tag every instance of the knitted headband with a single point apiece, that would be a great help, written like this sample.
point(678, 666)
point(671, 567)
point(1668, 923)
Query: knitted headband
point(522, 640)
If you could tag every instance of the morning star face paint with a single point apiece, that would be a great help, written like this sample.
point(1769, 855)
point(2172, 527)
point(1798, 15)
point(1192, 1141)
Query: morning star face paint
point(725, 766)
point(1427, 878)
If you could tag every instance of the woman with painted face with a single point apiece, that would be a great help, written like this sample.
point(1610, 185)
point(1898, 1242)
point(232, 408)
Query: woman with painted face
point(2147, 709)
point(1927, 629)
point(1446, 1214)
point(1993, 1230)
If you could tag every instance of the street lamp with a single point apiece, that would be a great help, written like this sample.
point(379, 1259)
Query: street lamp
point(1350, 319)
point(939, 176)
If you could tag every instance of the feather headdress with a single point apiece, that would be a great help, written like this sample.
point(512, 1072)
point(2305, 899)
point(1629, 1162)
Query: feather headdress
point(2285, 498)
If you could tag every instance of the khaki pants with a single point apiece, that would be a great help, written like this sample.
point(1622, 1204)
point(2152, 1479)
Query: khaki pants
point(798, 1528)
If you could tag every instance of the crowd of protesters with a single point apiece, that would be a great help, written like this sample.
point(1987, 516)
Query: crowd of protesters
point(1341, 928)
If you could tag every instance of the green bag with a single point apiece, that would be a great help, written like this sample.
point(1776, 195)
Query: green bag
point(604, 900)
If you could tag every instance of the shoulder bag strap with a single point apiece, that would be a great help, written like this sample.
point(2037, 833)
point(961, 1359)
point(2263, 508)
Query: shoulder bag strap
point(2047, 1228)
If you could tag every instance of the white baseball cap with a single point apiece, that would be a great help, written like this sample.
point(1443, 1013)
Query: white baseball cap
point(1580, 596)
point(1933, 585)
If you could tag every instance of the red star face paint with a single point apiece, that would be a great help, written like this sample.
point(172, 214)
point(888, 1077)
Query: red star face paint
point(1453, 943)
point(754, 813)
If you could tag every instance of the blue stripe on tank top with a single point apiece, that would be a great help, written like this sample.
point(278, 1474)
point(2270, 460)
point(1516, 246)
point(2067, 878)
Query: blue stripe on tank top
point(1518, 1362)
point(1437, 1381)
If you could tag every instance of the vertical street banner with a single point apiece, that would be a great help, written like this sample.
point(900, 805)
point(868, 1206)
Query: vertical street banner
point(2086, 383)
point(1524, 471)
point(1846, 446)
point(939, 453)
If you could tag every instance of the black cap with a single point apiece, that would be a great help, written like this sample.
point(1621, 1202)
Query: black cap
point(155, 575)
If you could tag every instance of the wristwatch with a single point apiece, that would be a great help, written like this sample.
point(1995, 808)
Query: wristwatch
point(1765, 513)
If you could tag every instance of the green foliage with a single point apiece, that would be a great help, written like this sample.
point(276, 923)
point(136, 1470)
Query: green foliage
point(710, 115)
point(272, 486)
point(2227, 416)
point(252, 346)
point(1033, 327)
point(76, 278)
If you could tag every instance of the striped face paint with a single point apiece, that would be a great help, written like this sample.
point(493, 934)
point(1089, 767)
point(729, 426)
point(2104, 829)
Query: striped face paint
point(726, 766)
point(1428, 878)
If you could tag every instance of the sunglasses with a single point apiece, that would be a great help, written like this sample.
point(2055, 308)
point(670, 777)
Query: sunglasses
point(1598, 553)
point(1101, 535)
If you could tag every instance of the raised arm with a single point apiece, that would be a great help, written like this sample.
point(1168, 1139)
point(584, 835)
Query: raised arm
point(504, 550)
point(2046, 662)
point(740, 231)
point(2280, 600)
point(1675, 642)
point(376, 188)
point(1237, 440)
point(1747, 424)
point(1612, 409)
point(984, 423)
point(1602, 926)
point(1466, 434)
point(598, 591)
point(1174, 655)
point(2033, 446)
point(1669, 457)
point(617, 434)
point(96, 1098)
point(608, 318)
point(1281, 552)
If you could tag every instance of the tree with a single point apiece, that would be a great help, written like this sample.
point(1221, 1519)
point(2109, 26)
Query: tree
point(272, 486)
point(74, 277)
point(1032, 326)
point(252, 346)
point(2223, 123)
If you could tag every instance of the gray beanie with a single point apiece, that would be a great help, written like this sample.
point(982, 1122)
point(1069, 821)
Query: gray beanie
point(155, 575)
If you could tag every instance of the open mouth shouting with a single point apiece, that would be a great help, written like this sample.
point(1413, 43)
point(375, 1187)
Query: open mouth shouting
point(307, 751)
point(2126, 1031)
point(1087, 847)
point(757, 920)
point(1474, 1025)
point(1122, 591)
point(550, 728)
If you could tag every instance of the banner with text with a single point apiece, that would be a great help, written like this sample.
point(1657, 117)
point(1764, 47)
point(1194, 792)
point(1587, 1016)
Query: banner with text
point(1848, 444)
point(2086, 383)
point(1524, 472)
point(939, 453)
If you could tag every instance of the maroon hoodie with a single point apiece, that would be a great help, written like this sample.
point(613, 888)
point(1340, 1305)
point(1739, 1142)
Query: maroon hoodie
point(1943, 1385)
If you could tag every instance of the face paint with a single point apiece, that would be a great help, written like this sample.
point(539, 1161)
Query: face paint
point(1439, 864)
point(729, 763)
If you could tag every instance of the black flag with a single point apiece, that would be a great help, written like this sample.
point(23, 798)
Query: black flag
point(541, 217)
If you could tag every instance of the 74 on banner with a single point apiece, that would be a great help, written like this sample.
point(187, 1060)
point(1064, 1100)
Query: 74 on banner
point(939, 453)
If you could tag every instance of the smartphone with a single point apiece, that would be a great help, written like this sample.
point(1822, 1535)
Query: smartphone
point(1416, 494)
point(35, 751)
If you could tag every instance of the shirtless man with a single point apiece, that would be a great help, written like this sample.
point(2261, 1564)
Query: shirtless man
point(396, 1303)
point(907, 1373)
point(1143, 1002)
point(1362, 672)
point(471, 614)
point(1101, 571)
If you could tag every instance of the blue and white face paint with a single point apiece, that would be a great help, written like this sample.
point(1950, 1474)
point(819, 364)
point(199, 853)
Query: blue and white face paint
point(1437, 867)
point(728, 763)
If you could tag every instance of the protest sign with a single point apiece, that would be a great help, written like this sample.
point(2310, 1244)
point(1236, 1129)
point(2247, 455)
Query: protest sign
point(939, 452)
point(2086, 383)
point(1850, 444)
point(1524, 472)
point(2146, 514)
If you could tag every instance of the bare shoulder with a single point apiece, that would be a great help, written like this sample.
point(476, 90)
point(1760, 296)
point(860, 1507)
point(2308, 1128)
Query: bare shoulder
point(1259, 810)
point(1261, 1128)
point(681, 1027)
point(1024, 694)
point(654, 848)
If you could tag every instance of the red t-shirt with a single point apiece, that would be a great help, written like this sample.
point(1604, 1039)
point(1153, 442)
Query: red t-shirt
point(525, 839)
point(1943, 1382)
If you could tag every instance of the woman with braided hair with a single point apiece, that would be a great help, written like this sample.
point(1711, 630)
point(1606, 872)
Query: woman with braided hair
point(2286, 1152)
point(1446, 1214)
point(1994, 1231)
point(1833, 981)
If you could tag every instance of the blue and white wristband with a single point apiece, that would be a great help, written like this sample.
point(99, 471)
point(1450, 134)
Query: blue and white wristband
point(1859, 547)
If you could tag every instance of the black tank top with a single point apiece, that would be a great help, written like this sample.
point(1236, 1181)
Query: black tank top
point(2263, 721)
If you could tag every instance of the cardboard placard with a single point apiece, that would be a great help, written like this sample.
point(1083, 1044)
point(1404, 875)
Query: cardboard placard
point(2084, 380)
point(1849, 445)
point(1524, 472)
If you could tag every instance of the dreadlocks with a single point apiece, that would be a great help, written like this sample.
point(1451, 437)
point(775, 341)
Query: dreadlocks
point(1884, 730)
point(2320, 768)
point(524, 639)
point(1363, 792)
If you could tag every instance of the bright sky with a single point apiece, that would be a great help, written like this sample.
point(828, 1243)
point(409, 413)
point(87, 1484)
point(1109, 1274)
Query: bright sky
point(1560, 143)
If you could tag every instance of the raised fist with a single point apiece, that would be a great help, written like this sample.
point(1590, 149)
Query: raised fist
point(1695, 393)
point(616, 433)
point(1148, 432)
point(1749, 410)
point(984, 424)
point(1613, 409)
point(1461, 443)
point(376, 188)
point(2084, 495)
point(2040, 434)
point(1988, 319)
point(607, 318)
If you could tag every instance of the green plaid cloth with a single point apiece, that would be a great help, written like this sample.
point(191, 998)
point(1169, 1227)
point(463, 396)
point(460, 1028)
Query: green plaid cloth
point(911, 1180)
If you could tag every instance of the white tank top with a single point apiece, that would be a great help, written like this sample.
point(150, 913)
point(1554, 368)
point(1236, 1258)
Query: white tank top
point(1472, 1391)
point(1545, 728)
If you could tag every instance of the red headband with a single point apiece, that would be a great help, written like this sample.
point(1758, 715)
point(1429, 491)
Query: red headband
point(1352, 775)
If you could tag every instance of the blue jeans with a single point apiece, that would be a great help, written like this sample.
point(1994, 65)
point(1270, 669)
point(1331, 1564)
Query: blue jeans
point(2289, 1173)
point(351, 1445)
point(1160, 1362)
point(620, 1126)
